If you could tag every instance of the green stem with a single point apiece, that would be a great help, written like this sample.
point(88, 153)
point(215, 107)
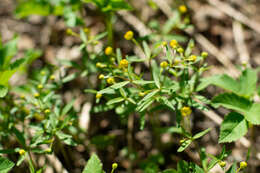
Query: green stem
point(109, 28)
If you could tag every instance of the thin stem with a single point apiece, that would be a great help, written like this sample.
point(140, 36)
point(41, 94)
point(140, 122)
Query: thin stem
point(109, 28)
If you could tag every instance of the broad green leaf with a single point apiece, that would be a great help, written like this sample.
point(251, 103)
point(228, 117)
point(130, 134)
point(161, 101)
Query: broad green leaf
point(200, 134)
point(253, 115)
point(156, 74)
point(115, 100)
point(248, 81)
point(26, 8)
point(232, 101)
point(5, 165)
point(3, 91)
point(222, 81)
point(93, 165)
point(232, 128)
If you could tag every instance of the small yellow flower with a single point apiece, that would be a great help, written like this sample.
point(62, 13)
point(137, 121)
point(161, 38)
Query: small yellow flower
point(69, 31)
point(36, 94)
point(110, 80)
point(192, 58)
point(48, 150)
point(47, 111)
point(183, 9)
point(174, 44)
point(22, 151)
point(101, 76)
point(100, 65)
point(222, 164)
point(176, 62)
point(129, 35)
point(123, 63)
point(43, 73)
point(180, 50)
point(204, 54)
point(40, 86)
point(141, 94)
point(86, 30)
point(114, 165)
point(108, 50)
point(185, 111)
point(52, 77)
point(243, 165)
point(182, 141)
point(164, 64)
point(164, 43)
point(22, 96)
point(98, 95)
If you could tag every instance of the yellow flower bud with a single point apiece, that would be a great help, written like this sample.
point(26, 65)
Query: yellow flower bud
point(40, 86)
point(141, 94)
point(108, 50)
point(100, 65)
point(204, 54)
point(36, 94)
point(176, 62)
point(69, 31)
point(98, 95)
point(123, 63)
point(101, 76)
point(174, 44)
point(185, 111)
point(222, 164)
point(22, 151)
point(164, 64)
point(243, 165)
point(180, 50)
point(48, 150)
point(183, 9)
point(47, 111)
point(86, 30)
point(164, 43)
point(22, 96)
point(43, 73)
point(52, 77)
point(110, 80)
point(129, 35)
point(114, 165)
point(192, 58)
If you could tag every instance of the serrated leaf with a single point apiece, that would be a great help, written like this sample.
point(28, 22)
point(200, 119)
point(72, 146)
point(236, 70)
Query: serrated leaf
point(248, 81)
point(5, 165)
point(93, 165)
point(232, 101)
point(253, 115)
point(223, 81)
point(232, 128)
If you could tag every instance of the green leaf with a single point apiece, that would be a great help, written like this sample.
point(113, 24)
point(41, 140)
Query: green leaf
point(200, 134)
point(232, 101)
point(26, 8)
point(115, 100)
point(142, 82)
point(147, 50)
point(253, 115)
point(93, 165)
point(3, 91)
point(184, 145)
point(68, 107)
point(169, 171)
point(248, 81)
point(222, 81)
point(232, 128)
point(5, 165)
point(7, 52)
point(232, 169)
point(119, 85)
point(156, 74)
